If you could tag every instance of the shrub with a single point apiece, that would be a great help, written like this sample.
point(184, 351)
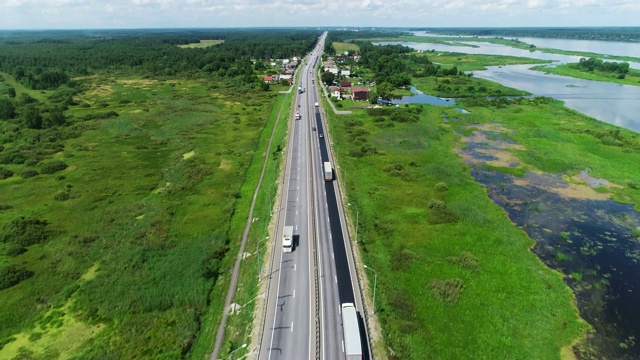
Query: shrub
point(31, 162)
point(15, 250)
point(29, 173)
point(14, 157)
point(392, 167)
point(441, 186)
point(442, 217)
point(448, 290)
point(5, 173)
point(437, 204)
point(466, 260)
point(611, 141)
point(105, 115)
point(25, 231)
point(52, 166)
point(62, 195)
point(5, 207)
point(11, 275)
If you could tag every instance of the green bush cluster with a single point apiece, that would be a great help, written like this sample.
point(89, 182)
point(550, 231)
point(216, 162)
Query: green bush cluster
point(11, 275)
point(441, 187)
point(52, 166)
point(466, 260)
point(5, 173)
point(448, 290)
point(26, 231)
point(100, 116)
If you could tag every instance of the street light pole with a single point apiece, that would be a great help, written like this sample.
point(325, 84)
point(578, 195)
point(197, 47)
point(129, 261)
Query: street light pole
point(375, 284)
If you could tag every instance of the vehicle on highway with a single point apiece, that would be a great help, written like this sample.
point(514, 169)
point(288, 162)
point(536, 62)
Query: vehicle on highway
point(313, 128)
point(287, 239)
point(300, 90)
point(298, 116)
point(351, 331)
point(328, 171)
point(321, 136)
point(316, 105)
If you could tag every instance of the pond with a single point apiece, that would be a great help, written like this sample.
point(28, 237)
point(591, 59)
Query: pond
point(421, 98)
point(592, 240)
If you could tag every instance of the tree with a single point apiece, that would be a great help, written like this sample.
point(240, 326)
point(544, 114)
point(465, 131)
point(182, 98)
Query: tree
point(32, 118)
point(7, 110)
point(327, 77)
point(56, 117)
point(372, 96)
point(384, 90)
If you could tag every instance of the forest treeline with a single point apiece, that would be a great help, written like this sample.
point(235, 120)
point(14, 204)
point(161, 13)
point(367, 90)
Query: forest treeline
point(46, 60)
point(582, 33)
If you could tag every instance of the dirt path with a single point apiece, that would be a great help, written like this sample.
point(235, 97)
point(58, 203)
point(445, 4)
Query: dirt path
point(245, 235)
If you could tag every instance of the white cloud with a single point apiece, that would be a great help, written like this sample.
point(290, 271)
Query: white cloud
point(26, 14)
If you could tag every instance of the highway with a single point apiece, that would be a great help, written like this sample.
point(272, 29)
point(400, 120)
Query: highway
point(308, 285)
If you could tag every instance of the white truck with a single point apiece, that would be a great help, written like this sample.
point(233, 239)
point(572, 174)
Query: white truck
point(298, 116)
point(287, 239)
point(351, 332)
point(328, 171)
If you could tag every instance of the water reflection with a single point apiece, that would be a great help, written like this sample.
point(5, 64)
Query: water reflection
point(421, 98)
point(613, 103)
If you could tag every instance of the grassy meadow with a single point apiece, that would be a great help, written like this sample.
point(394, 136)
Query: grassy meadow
point(471, 62)
point(456, 279)
point(125, 244)
point(202, 44)
point(342, 47)
point(632, 78)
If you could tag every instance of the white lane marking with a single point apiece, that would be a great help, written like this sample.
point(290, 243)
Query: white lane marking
point(292, 326)
point(295, 267)
point(333, 257)
point(335, 277)
point(294, 293)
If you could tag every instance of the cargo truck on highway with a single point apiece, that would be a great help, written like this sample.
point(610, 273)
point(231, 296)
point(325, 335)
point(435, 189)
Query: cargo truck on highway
point(351, 332)
point(298, 116)
point(328, 171)
point(287, 239)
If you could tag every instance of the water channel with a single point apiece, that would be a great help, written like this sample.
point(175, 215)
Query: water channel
point(608, 102)
point(592, 240)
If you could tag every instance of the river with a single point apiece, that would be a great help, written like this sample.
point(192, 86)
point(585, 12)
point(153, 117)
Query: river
point(608, 102)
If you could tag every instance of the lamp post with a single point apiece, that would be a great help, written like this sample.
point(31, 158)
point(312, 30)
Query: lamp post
point(375, 284)
point(241, 347)
point(357, 220)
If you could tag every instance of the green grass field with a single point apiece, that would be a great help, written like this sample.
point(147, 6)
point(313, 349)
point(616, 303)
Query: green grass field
point(632, 78)
point(342, 47)
point(202, 44)
point(470, 62)
point(456, 280)
point(131, 262)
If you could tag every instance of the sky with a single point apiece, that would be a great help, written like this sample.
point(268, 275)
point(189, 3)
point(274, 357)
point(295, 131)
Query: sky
point(132, 14)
